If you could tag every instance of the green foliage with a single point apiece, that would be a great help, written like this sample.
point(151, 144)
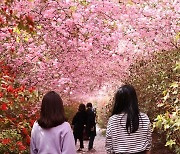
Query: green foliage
point(169, 121)
point(11, 142)
point(105, 112)
point(151, 77)
point(156, 81)
point(70, 111)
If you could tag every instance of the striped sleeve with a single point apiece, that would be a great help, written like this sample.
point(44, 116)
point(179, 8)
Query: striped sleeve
point(149, 137)
point(108, 144)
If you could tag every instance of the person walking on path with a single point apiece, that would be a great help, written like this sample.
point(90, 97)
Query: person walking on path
point(128, 130)
point(51, 133)
point(90, 126)
point(79, 122)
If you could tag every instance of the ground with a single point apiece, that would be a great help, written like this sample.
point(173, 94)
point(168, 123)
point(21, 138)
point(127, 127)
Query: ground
point(99, 145)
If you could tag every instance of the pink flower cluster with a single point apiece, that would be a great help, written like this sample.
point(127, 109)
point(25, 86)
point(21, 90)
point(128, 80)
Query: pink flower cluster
point(77, 47)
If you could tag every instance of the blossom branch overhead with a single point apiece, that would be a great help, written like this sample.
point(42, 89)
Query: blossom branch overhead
point(89, 43)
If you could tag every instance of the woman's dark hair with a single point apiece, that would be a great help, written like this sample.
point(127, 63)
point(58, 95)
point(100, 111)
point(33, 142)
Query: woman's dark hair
point(52, 111)
point(82, 107)
point(126, 102)
point(89, 105)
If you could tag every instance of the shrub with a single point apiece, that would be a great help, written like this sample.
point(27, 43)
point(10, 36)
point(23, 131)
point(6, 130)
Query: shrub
point(169, 120)
point(70, 111)
point(17, 112)
point(157, 85)
point(151, 77)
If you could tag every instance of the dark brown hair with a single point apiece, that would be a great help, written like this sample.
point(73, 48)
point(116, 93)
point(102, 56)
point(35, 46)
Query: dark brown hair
point(89, 105)
point(82, 107)
point(126, 101)
point(52, 111)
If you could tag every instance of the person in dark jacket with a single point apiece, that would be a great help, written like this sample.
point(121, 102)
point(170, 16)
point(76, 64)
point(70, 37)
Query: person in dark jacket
point(90, 125)
point(79, 122)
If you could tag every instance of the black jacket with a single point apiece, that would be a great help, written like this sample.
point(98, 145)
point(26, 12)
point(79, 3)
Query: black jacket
point(79, 121)
point(91, 123)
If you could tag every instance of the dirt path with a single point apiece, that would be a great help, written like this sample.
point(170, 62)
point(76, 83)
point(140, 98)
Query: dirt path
point(99, 144)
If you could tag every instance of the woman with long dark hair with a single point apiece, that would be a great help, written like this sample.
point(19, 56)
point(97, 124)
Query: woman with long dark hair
point(79, 122)
point(128, 130)
point(51, 133)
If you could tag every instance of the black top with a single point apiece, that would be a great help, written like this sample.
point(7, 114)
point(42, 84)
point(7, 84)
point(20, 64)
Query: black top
point(91, 124)
point(79, 121)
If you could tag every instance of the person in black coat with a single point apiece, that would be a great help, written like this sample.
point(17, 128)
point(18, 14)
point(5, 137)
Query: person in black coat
point(90, 125)
point(79, 122)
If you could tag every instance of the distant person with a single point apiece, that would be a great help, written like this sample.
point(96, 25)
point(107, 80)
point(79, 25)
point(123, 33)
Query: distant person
point(51, 134)
point(79, 122)
point(90, 126)
point(128, 130)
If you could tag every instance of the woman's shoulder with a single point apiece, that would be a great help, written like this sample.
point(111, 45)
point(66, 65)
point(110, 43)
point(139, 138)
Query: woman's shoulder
point(64, 128)
point(35, 125)
point(65, 125)
point(123, 115)
point(61, 129)
point(116, 116)
point(84, 113)
point(143, 115)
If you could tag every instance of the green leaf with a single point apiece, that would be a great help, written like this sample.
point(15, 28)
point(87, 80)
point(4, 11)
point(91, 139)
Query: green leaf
point(177, 37)
point(178, 123)
point(170, 143)
point(160, 104)
point(174, 85)
point(166, 126)
point(166, 97)
point(73, 8)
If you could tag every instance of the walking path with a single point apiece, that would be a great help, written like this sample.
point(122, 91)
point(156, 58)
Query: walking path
point(99, 144)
